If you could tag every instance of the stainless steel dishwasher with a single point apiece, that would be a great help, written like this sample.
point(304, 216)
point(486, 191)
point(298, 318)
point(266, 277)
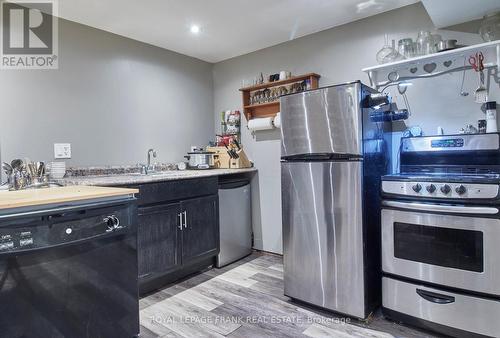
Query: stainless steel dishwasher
point(235, 219)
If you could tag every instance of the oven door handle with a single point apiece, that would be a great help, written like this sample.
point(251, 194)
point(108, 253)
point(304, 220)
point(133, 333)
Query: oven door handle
point(435, 297)
point(454, 209)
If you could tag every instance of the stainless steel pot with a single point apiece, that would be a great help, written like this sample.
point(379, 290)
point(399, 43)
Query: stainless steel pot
point(200, 159)
point(446, 45)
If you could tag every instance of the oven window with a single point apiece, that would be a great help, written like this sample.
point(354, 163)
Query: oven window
point(452, 248)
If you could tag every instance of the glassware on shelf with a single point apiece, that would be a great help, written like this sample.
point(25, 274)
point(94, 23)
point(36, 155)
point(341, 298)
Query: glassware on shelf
point(490, 27)
point(424, 43)
point(435, 39)
point(406, 48)
point(388, 53)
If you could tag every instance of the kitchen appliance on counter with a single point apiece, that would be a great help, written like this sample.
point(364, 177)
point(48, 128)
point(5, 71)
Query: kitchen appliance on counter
point(332, 157)
point(70, 270)
point(198, 158)
point(235, 220)
point(441, 235)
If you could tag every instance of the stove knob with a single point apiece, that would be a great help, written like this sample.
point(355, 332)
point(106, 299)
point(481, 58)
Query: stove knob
point(431, 188)
point(461, 190)
point(445, 189)
point(417, 187)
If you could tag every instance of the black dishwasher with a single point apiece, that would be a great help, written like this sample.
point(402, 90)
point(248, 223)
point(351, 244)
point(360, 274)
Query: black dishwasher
point(70, 271)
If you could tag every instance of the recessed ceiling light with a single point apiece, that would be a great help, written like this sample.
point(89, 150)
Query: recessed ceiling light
point(195, 29)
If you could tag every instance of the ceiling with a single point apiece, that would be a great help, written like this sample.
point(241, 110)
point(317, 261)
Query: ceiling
point(228, 27)
point(446, 13)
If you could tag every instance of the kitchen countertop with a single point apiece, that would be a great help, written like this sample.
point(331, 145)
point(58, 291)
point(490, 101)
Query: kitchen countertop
point(37, 197)
point(128, 179)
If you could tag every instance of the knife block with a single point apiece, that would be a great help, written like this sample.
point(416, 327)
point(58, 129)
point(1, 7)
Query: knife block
point(222, 160)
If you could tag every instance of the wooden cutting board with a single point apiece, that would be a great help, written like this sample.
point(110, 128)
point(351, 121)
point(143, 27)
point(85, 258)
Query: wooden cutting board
point(26, 198)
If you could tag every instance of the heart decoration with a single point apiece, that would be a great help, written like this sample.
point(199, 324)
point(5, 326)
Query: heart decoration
point(413, 70)
point(429, 67)
point(447, 63)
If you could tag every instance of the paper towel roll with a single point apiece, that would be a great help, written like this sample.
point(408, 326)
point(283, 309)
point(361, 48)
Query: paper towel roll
point(277, 121)
point(261, 124)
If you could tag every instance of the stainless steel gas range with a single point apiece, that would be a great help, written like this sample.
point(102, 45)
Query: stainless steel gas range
point(441, 235)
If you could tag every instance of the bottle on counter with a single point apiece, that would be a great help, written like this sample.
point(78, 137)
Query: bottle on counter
point(491, 117)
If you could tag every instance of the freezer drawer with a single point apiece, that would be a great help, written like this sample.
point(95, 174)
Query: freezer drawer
point(458, 311)
point(323, 121)
point(322, 234)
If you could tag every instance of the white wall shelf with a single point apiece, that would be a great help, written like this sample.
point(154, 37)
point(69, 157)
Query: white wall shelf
point(433, 64)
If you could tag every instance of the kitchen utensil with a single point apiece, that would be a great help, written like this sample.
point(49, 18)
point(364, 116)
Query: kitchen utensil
point(200, 159)
point(446, 45)
point(40, 168)
point(17, 164)
point(476, 61)
point(490, 27)
point(31, 169)
point(19, 182)
point(7, 168)
point(235, 154)
point(481, 93)
point(228, 150)
point(462, 92)
point(237, 143)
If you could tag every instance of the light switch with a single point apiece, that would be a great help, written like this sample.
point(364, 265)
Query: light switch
point(62, 150)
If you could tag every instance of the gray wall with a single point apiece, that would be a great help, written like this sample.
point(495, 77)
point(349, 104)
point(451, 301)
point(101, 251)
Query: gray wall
point(338, 55)
point(112, 98)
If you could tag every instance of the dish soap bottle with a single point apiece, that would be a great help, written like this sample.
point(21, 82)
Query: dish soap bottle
point(491, 117)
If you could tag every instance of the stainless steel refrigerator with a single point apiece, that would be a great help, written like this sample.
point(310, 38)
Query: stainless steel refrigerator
point(332, 159)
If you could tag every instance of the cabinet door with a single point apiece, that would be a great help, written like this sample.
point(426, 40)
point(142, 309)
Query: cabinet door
point(200, 236)
point(158, 239)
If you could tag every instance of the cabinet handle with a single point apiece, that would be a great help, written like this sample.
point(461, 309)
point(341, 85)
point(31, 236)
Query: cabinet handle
point(185, 219)
point(180, 220)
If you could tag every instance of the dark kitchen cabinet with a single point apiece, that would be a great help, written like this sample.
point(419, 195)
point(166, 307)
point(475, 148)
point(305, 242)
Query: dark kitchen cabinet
point(178, 230)
point(200, 234)
point(158, 239)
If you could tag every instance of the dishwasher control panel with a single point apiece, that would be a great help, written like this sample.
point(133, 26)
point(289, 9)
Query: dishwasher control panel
point(63, 228)
point(19, 238)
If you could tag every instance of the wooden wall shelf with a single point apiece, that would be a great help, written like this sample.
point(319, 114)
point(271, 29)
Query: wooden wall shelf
point(270, 109)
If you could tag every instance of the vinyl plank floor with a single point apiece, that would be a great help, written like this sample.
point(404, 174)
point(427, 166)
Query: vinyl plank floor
point(245, 299)
point(166, 316)
point(195, 298)
point(277, 267)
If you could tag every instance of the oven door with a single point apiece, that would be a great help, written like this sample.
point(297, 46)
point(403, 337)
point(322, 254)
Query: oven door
point(450, 245)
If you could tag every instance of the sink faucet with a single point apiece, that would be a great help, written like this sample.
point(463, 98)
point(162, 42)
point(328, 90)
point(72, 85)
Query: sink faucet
point(150, 167)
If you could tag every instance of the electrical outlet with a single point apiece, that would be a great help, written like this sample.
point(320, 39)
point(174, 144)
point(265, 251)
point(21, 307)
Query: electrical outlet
point(62, 150)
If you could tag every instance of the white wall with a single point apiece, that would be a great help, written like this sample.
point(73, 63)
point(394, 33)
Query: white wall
point(112, 98)
point(338, 55)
